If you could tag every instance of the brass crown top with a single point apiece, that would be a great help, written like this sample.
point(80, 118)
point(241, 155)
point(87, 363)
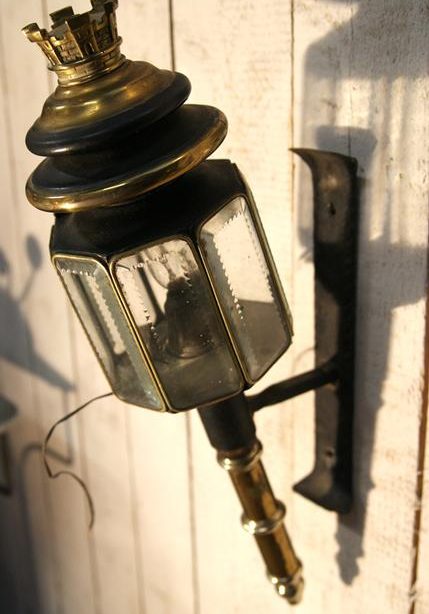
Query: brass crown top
point(89, 39)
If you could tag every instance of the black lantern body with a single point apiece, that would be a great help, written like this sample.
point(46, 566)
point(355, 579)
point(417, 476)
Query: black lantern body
point(160, 288)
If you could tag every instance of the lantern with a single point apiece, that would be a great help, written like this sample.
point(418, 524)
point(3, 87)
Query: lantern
point(174, 320)
point(160, 250)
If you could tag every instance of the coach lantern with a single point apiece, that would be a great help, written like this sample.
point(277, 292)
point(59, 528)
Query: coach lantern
point(160, 250)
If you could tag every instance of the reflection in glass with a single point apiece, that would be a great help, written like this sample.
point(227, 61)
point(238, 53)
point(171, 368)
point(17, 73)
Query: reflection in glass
point(171, 303)
point(92, 295)
point(246, 289)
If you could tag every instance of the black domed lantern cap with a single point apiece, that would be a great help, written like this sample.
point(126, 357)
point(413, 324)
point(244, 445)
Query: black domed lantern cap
point(150, 237)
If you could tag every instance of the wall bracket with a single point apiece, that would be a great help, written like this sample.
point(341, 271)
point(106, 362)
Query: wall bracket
point(335, 264)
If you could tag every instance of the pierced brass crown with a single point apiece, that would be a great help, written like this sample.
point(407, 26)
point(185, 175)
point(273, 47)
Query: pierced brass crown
point(80, 46)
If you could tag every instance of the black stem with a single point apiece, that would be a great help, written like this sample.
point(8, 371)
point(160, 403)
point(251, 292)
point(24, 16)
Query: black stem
point(229, 424)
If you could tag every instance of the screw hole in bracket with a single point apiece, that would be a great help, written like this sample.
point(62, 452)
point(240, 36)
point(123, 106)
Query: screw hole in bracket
point(331, 209)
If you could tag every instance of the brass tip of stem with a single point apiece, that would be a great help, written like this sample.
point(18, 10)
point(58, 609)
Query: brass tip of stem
point(289, 588)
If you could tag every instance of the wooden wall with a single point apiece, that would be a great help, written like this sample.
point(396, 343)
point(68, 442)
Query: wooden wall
point(345, 75)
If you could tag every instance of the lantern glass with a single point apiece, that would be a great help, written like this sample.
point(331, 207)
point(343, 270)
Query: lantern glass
point(91, 292)
point(175, 313)
point(245, 283)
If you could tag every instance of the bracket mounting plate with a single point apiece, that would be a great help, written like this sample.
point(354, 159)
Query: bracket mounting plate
point(335, 262)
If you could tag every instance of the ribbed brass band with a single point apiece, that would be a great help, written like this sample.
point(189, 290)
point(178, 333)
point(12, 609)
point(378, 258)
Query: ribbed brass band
point(90, 68)
point(266, 525)
point(240, 463)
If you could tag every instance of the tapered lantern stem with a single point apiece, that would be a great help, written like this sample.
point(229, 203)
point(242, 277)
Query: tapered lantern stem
point(230, 428)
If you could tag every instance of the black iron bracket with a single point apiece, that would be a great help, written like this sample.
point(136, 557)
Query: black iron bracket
point(335, 264)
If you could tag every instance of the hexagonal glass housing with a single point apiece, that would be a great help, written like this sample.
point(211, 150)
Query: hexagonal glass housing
point(177, 292)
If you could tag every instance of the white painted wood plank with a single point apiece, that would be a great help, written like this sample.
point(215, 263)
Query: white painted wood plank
point(237, 56)
point(48, 356)
point(20, 549)
point(359, 88)
point(34, 534)
point(107, 464)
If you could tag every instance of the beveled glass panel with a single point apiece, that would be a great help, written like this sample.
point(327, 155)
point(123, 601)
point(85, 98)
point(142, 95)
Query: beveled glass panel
point(91, 292)
point(176, 315)
point(248, 293)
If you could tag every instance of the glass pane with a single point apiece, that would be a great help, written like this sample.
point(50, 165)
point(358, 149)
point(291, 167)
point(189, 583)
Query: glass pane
point(250, 299)
point(92, 295)
point(176, 315)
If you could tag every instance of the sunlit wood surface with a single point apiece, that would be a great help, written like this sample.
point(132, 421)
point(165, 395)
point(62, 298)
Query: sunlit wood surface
point(349, 76)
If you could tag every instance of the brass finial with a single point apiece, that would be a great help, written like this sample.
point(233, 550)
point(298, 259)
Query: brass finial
point(82, 46)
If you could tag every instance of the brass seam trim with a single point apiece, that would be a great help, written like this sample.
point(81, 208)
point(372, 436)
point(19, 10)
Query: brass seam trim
point(241, 464)
point(266, 526)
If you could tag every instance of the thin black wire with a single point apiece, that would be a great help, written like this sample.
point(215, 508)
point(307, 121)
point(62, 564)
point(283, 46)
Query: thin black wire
point(73, 475)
